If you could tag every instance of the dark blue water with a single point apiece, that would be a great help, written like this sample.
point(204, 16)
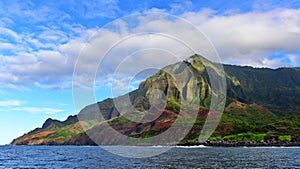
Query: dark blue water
point(96, 157)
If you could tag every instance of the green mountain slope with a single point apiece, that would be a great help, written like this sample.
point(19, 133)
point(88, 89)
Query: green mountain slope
point(261, 104)
point(278, 89)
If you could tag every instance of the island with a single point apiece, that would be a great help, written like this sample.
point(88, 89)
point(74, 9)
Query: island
point(262, 108)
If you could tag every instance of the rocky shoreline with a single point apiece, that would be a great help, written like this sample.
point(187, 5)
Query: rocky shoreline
point(220, 143)
point(251, 144)
point(261, 143)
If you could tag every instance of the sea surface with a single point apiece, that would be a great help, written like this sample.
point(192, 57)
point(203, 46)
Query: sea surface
point(177, 157)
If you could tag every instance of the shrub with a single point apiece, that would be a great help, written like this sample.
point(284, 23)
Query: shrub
point(285, 138)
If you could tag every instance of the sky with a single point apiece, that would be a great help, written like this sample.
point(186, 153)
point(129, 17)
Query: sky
point(41, 41)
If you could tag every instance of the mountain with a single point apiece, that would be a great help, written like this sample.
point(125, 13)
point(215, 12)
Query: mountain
point(262, 107)
point(278, 89)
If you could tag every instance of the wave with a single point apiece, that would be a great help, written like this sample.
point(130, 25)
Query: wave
point(197, 146)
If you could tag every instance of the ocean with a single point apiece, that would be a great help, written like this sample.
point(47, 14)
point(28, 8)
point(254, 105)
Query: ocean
point(176, 157)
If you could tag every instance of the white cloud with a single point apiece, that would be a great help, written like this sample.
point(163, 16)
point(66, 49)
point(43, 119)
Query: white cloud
point(37, 110)
point(294, 59)
point(53, 35)
point(107, 8)
point(181, 6)
point(9, 77)
point(6, 46)
point(250, 38)
point(10, 33)
point(121, 86)
point(5, 21)
point(9, 103)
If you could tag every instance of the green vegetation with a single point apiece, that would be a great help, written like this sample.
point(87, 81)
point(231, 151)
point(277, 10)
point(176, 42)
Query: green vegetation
point(173, 105)
point(241, 137)
point(64, 133)
point(194, 140)
point(285, 138)
point(277, 90)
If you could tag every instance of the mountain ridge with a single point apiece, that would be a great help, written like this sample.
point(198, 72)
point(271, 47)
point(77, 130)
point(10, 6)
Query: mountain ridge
point(252, 95)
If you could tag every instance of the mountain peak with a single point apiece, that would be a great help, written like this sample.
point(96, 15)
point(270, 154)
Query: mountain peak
point(48, 122)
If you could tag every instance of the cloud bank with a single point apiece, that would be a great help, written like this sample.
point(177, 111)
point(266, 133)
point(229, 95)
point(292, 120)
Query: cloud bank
point(47, 59)
point(253, 38)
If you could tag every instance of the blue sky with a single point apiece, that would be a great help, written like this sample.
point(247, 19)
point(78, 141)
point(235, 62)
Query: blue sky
point(40, 41)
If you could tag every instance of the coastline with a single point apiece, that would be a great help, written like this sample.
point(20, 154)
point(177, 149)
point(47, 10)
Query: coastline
point(245, 144)
point(206, 144)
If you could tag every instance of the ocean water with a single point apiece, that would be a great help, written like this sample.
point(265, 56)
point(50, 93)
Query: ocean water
point(177, 157)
